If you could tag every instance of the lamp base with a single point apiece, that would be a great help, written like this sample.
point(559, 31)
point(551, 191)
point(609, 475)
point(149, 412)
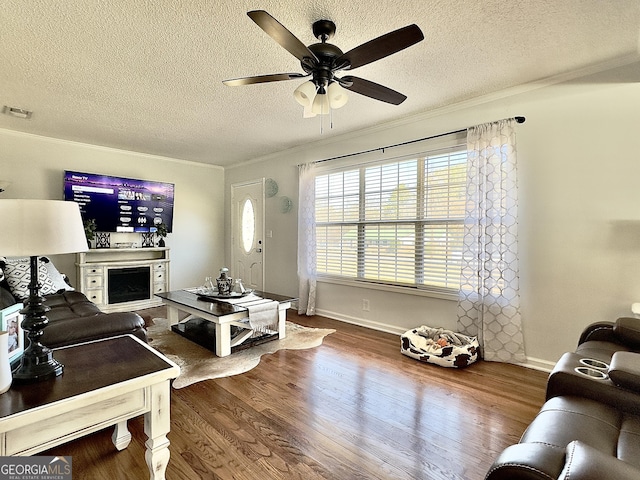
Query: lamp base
point(37, 366)
point(37, 362)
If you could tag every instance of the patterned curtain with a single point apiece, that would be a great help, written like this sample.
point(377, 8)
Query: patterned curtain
point(489, 299)
point(307, 240)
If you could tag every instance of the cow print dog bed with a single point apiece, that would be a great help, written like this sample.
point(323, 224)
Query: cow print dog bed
point(439, 346)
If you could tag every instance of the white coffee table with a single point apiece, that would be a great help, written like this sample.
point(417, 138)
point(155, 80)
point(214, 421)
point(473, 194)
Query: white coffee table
point(224, 315)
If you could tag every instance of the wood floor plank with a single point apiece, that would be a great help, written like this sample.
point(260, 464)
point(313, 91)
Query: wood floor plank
point(352, 408)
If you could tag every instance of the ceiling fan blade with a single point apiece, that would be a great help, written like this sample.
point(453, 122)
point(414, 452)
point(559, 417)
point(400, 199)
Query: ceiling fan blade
point(372, 89)
point(274, 77)
point(280, 34)
point(382, 46)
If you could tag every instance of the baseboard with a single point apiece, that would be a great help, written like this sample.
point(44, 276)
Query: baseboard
point(539, 364)
point(533, 363)
point(362, 322)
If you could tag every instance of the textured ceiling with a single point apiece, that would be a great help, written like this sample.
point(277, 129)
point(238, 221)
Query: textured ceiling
point(146, 75)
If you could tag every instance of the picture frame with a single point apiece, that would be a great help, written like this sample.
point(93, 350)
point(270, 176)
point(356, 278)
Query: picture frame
point(10, 321)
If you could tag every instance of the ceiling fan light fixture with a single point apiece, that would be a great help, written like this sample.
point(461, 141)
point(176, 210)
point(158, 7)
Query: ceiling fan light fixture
point(305, 94)
point(337, 95)
point(321, 104)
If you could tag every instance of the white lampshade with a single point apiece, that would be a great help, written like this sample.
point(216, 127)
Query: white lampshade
point(337, 95)
point(321, 104)
point(40, 227)
point(305, 93)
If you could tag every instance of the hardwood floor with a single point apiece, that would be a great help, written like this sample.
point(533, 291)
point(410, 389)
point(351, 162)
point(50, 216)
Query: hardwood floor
point(353, 408)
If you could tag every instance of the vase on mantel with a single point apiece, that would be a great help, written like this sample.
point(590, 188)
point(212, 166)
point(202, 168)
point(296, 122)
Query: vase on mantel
point(5, 366)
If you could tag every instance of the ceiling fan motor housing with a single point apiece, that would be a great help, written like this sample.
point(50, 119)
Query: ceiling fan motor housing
point(324, 69)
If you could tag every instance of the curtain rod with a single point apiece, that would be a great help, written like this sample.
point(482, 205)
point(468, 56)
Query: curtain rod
point(517, 119)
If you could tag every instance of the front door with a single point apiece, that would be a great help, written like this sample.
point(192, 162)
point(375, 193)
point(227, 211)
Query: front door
point(247, 203)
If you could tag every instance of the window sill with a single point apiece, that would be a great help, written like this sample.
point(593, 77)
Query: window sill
point(443, 294)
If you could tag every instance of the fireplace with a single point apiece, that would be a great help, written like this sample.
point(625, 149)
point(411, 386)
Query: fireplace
point(129, 284)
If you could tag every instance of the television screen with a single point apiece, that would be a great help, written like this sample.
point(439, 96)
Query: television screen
point(120, 204)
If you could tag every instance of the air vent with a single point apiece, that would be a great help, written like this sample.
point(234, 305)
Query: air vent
point(17, 112)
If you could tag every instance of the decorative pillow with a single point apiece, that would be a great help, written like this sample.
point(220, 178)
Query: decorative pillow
point(56, 277)
point(18, 277)
point(3, 277)
point(6, 299)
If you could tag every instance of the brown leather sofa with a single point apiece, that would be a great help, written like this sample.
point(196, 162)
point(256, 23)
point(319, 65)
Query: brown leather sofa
point(589, 427)
point(74, 319)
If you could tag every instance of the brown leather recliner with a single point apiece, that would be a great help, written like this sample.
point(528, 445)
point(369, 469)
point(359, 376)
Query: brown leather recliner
point(589, 427)
point(563, 424)
point(601, 340)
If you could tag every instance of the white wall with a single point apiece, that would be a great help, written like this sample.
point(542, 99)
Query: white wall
point(34, 165)
point(579, 211)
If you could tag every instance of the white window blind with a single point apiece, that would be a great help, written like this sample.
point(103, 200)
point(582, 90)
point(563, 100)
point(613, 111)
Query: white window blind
point(398, 222)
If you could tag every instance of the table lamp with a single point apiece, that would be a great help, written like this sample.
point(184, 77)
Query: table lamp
point(31, 228)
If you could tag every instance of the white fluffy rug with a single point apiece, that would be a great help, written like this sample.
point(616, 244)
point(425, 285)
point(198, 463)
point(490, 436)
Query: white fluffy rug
point(197, 363)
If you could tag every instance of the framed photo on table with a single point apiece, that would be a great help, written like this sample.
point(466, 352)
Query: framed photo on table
point(10, 320)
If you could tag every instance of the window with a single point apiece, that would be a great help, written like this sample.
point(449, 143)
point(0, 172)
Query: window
point(248, 225)
point(399, 222)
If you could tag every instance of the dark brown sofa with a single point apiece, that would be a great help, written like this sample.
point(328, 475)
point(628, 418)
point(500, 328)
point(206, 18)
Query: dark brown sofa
point(74, 319)
point(589, 427)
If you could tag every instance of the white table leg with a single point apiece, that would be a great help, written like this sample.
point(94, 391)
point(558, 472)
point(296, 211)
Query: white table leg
point(172, 315)
point(121, 436)
point(282, 319)
point(223, 339)
point(157, 423)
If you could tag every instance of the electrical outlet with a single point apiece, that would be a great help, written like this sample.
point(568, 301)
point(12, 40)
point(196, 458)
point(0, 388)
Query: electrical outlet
point(365, 304)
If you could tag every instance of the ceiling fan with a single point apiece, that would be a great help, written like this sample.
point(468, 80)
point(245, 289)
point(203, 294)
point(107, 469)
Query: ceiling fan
point(323, 61)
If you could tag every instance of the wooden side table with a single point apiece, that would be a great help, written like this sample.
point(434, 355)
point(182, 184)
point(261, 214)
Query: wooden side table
point(104, 383)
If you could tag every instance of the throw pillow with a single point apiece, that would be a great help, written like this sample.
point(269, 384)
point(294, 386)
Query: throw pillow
point(3, 262)
point(18, 277)
point(56, 277)
point(3, 277)
point(6, 299)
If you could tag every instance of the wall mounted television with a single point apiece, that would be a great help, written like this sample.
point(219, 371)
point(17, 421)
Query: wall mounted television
point(119, 204)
